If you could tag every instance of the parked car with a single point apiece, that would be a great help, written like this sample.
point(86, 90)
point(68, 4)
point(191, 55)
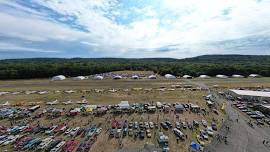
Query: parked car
point(214, 126)
point(184, 124)
point(141, 134)
point(52, 145)
point(204, 123)
point(58, 146)
point(210, 131)
point(164, 125)
point(169, 124)
point(45, 142)
point(148, 133)
point(177, 125)
point(151, 125)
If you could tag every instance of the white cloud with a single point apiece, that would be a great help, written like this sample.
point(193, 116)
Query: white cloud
point(192, 24)
point(4, 47)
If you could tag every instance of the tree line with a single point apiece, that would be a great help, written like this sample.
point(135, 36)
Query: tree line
point(209, 64)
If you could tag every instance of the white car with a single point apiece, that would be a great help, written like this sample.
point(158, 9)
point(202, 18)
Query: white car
point(45, 142)
point(146, 125)
point(58, 146)
point(68, 131)
point(151, 125)
point(204, 123)
point(210, 131)
point(98, 131)
point(74, 131)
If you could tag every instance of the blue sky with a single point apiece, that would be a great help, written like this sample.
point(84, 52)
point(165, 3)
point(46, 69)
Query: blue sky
point(133, 28)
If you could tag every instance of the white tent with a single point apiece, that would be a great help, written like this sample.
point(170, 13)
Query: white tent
point(237, 76)
point(169, 76)
point(117, 77)
point(123, 105)
point(79, 78)
point(204, 76)
point(58, 78)
point(254, 75)
point(221, 76)
point(187, 77)
point(135, 77)
point(98, 77)
point(152, 77)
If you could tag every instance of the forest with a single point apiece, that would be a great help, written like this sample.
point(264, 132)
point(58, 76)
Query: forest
point(207, 64)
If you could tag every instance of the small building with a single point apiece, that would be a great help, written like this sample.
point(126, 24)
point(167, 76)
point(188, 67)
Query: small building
point(250, 95)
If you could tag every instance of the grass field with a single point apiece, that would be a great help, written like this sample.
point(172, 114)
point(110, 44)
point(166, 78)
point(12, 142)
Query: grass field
point(127, 89)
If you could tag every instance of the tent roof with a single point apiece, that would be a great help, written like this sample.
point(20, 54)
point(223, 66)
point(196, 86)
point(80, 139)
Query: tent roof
point(251, 93)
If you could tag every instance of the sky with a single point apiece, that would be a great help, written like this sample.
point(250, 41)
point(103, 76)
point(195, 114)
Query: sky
point(133, 28)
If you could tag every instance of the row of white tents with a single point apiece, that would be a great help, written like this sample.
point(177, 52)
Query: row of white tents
point(97, 77)
point(167, 76)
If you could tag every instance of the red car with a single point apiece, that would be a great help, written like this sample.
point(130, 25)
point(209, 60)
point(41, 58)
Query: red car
point(70, 146)
point(20, 143)
point(58, 128)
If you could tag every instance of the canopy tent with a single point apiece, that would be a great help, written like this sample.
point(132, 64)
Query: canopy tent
point(254, 75)
point(79, 78)
point(135, 77)
point(169, 76)
point(237, 76)
point(58, 78)
point(221, 76)
point(187, 77)
point(194, 146)
point(152, 77)
point(123, 105)
point(98, 77)
point(117, 77)
point(204, 76)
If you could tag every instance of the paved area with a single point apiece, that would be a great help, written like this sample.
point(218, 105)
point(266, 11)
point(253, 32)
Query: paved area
point(241, 137)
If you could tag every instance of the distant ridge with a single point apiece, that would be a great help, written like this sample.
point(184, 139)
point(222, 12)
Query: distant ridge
point(205, 64)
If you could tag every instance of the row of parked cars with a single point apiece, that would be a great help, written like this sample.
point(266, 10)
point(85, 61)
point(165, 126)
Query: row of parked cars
point(143, 129)
point(244, 107)
point(22, 137)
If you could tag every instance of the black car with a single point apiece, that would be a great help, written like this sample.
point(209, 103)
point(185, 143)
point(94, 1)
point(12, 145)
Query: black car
point(214, 126)
point(169, 124)
point(142, 134)
point(164, 125)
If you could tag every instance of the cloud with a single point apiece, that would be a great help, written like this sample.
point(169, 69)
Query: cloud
point(140, 28)
point(8, 47)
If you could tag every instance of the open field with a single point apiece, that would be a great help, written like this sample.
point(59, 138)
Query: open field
point(113, 91)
